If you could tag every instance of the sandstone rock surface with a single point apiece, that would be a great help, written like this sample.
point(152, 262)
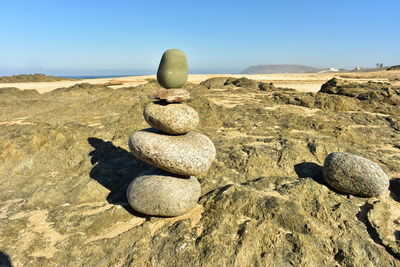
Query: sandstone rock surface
point(370, 91)
point(171, 118)
point(160, 193)
point(188, 154)
point(255, 209)
point(349, 173)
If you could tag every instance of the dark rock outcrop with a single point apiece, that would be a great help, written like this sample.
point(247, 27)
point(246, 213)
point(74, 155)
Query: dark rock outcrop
point(230, 83)
point(394, 67)
point(370, 91)
point(37, 77)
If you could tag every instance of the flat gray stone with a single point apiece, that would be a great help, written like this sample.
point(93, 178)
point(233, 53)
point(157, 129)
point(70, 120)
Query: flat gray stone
point(171, 118)
point(188, 154)
point(352, 174)
point(171, 95)
point(160, 193)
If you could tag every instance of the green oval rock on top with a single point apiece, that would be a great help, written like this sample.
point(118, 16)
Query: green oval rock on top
point(173, 69)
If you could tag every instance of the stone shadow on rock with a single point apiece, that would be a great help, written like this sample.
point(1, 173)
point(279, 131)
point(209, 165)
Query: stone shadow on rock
point(114, 168)
point(5, 260)
point(310, 169)
point(394, 189)
point(314, 171)
point(397, 235)
point(362, 216)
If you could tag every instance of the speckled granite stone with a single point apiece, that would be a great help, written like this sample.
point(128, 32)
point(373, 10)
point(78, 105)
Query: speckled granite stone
point(188, 154)
point(160, 193)
point(171, 118)
point(349, 173)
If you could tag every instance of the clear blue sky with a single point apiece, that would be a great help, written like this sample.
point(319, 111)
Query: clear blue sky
point(128, 37)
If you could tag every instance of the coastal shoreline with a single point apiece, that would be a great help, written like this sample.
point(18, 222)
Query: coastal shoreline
point(302, 82)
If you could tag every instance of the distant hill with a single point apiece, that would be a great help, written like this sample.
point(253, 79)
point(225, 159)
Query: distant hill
point(263, 69)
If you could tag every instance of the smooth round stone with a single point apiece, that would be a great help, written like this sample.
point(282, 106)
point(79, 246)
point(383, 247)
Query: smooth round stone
point(173, 69)
point(187, 154)
point(160, 193)
point(171, 118)
point(352, 174)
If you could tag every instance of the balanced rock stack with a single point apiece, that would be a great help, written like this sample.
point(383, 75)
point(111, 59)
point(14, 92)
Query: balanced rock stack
point(177, 152)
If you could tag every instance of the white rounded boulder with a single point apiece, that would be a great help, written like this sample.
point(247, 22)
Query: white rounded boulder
point(160, 193)
point(174, 118)
point(349, 173)
point(188, 154)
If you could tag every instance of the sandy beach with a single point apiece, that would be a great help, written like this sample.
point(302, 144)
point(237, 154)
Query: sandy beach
point(303, 82)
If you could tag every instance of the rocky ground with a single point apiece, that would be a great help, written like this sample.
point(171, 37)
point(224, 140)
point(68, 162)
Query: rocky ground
point(65, 166)
point(32, 78)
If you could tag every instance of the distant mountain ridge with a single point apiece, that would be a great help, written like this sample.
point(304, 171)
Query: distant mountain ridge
point(279, 68)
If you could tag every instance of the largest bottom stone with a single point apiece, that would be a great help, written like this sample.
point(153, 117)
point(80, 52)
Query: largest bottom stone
point(160, 193)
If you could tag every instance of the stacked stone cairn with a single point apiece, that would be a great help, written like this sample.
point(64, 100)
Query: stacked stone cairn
point(177, 153)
